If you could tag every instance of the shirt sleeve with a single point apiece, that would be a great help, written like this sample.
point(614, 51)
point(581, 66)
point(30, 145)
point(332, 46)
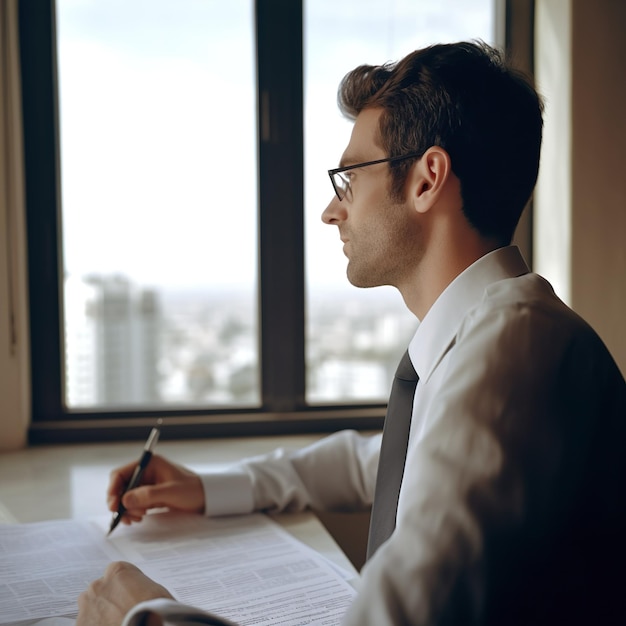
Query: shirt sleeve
point(336, 473)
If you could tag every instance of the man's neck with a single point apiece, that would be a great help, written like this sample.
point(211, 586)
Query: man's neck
point(438, 268)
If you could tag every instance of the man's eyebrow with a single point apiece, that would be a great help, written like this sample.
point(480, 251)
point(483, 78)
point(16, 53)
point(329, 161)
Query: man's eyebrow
point(350, 159)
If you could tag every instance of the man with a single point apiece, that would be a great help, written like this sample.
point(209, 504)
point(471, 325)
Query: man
point(511, 508)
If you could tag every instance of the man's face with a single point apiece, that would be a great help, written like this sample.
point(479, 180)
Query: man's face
point(380, 236)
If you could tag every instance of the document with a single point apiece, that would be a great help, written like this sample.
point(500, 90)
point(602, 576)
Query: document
point(245, 568)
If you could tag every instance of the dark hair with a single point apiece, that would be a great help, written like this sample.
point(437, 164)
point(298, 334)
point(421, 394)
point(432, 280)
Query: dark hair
point(464, 98)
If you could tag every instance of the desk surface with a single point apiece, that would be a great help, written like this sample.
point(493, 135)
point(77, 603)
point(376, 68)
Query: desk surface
point(69, 481)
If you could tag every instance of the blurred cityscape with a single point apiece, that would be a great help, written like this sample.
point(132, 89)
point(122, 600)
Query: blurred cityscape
point(127, 345)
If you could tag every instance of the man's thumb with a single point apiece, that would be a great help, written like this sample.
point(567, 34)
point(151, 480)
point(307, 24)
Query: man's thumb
point(141, 498)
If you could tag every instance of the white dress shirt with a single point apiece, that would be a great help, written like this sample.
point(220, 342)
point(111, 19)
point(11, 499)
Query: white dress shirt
point(518, 422)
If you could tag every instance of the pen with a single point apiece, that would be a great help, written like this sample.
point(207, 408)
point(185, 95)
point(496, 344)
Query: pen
point(146, 455)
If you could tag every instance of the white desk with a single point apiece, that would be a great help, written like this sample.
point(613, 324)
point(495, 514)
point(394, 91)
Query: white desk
point(69, 481)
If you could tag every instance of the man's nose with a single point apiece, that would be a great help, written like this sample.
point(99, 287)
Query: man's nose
point(334, 212)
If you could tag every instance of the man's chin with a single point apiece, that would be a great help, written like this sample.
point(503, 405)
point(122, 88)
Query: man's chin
point(361, 281)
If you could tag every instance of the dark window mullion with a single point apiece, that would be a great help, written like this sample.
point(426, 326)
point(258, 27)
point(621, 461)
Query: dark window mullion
point(39, 99)
point(281, 202)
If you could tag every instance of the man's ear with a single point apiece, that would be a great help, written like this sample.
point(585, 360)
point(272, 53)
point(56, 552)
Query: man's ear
point(428, 178)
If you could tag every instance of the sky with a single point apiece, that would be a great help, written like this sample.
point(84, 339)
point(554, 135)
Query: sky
point(158, 129)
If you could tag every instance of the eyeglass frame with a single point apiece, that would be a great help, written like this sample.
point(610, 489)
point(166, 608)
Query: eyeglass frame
point(339, 170)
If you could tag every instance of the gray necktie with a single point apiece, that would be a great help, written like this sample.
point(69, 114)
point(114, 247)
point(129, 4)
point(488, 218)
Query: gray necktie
point(392, 455)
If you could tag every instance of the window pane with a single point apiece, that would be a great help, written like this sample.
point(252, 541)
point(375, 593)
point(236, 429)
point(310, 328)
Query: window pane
point(157, 117)
point(355, 337)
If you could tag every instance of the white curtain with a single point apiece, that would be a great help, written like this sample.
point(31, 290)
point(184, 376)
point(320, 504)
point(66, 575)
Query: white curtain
point(14, 339)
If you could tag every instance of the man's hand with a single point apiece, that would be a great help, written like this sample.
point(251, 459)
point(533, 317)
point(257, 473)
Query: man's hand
point(163, 484)
point(107, 600)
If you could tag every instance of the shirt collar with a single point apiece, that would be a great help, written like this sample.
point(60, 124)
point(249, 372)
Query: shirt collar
point(437, 330)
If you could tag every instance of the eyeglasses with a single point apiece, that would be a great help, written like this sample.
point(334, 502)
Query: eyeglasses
point(341, 183)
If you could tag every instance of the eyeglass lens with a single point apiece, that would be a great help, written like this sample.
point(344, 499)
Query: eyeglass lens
point(342, 184)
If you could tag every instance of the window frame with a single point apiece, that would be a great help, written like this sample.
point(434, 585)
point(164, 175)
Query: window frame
point(281, 294)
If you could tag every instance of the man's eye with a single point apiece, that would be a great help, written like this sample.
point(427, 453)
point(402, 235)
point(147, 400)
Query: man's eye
point(345, 178)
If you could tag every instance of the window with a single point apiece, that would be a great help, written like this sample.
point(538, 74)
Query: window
point(355, 337)
point(158, 197)
point(176, 174)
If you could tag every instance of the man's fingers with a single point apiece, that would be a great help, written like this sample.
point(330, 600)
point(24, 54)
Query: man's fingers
point(120, 568)
point(153, 496)
point(108, 599)
point(164, 484)
point(140, 498)
point(117, 483)
point(182, 496)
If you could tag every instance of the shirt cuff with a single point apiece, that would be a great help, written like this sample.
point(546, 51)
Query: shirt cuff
point(172, 613)
point(227, 492)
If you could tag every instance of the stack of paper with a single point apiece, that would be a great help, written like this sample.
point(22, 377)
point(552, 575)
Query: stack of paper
point(246, 568)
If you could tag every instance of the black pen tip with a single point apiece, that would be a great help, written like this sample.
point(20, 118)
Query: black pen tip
point(114, 522)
